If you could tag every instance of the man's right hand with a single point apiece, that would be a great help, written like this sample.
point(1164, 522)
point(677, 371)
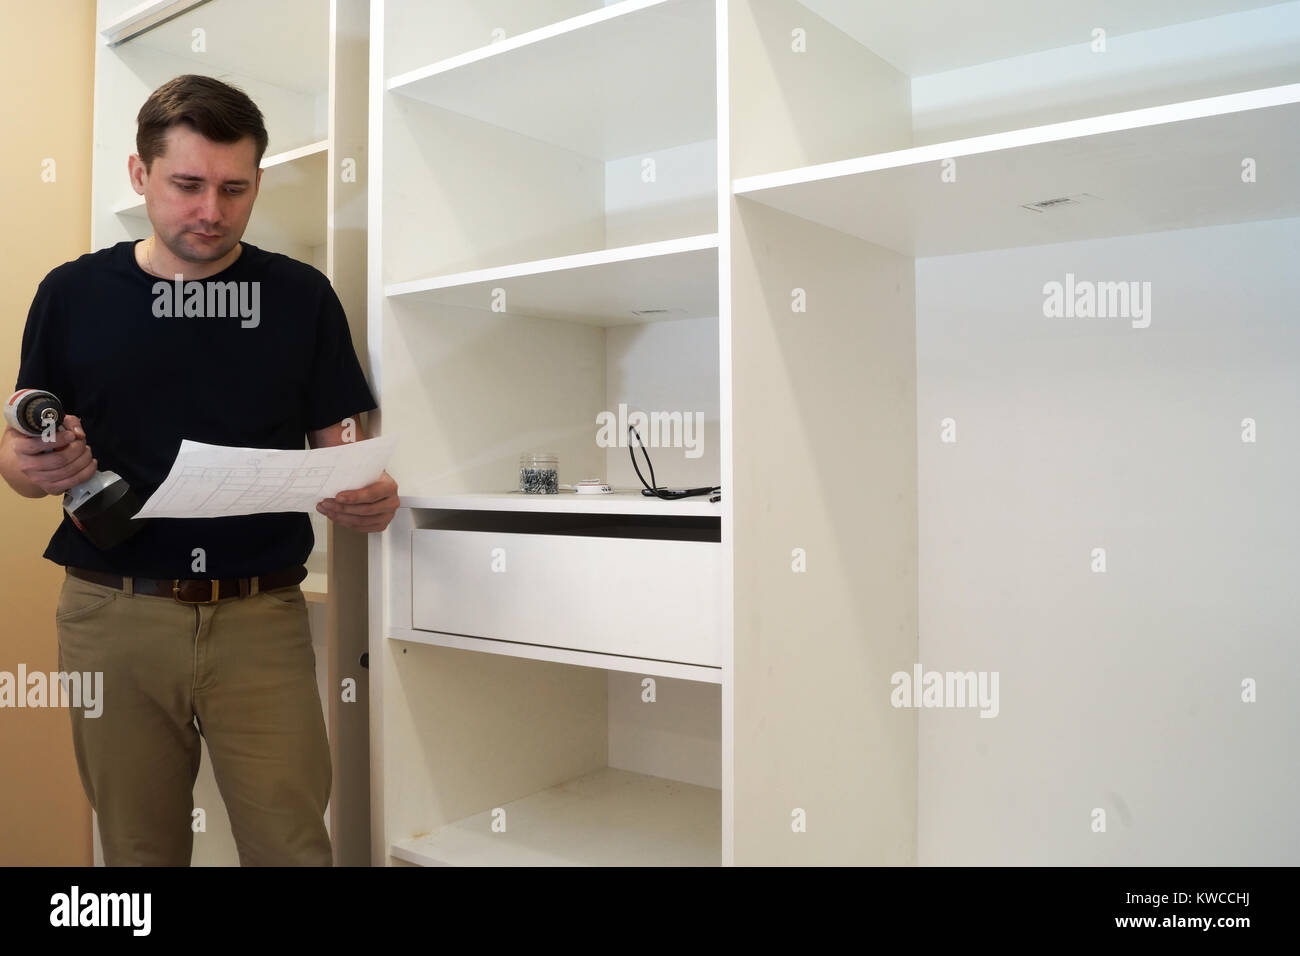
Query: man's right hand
point(55, 466)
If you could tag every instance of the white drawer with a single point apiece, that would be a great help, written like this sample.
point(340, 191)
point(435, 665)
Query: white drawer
point(636, 597)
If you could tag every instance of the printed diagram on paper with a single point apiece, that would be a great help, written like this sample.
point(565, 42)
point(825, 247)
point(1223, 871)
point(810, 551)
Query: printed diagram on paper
point(213, 481)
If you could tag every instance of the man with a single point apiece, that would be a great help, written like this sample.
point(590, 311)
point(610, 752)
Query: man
point(239, 670)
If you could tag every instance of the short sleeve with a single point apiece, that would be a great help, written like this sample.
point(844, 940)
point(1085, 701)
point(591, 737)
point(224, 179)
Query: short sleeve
point(336, 386)
point(40, 363)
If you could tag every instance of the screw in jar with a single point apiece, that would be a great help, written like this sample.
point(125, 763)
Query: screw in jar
point(539, 473)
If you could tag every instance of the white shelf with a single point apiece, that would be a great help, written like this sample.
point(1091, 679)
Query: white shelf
point(267, 40)
point(631, 78)
point(606, 288)
point(142, 17)
point(292, 155)
point(918, 38)
point(560, 655)
point(291, 202)
point(620, 502)
point(606, 818)
point(1167, 167)
point(528, 38)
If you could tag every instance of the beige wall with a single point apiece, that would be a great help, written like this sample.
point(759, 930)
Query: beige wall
point(47, 78)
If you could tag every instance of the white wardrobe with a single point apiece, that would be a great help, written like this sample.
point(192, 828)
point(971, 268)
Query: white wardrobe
point(842, 234)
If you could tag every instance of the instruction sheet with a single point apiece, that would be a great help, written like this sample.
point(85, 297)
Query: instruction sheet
point(215, 481)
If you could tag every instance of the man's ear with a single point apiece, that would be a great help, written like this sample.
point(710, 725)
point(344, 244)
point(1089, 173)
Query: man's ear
point(135, 171)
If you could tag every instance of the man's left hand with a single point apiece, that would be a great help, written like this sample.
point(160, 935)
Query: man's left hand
point(366, 509)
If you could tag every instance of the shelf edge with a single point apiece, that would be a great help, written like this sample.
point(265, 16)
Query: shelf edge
point(1029, 136)
point(399, 83)
point(579, 260)
point(142, 18)
point(701, 673)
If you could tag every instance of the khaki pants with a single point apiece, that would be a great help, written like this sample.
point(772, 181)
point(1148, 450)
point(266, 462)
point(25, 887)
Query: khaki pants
point(244, 669)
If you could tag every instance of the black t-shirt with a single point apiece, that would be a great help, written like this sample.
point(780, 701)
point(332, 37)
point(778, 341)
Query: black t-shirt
point(100, 338)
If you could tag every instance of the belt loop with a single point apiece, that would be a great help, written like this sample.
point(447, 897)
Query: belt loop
point(252, 586)
point(128, 585)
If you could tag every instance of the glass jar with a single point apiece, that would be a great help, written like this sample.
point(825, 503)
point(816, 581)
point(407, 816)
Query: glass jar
point(539, 473)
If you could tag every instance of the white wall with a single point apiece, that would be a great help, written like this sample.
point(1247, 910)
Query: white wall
point(680, 200)
point(1121, 690)
point(675, 735)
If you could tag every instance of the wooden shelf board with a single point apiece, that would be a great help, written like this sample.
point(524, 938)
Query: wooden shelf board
point(605, 288)
point(268, 41)
point(142, 17)
point(606, 818)
point(922, 37)
point(622, 501)
point(1168, 167)
point(560, 655)
point(633, 77)
point(529, 38)
point(292, 155)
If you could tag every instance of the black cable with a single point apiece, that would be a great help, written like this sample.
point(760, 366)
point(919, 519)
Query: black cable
point(631, 450)
point(650, 487)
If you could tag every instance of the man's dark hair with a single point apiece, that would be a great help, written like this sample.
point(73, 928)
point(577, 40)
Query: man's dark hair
point(211, 108)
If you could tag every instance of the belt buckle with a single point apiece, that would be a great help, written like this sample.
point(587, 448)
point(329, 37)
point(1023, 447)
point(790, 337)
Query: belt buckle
point(176, 591)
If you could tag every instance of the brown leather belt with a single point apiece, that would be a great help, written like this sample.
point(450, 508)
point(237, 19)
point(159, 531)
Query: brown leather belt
point(196, 590)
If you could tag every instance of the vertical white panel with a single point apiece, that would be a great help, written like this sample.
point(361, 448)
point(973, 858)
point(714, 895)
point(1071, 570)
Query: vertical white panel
point(825, 543)
point(1121, 690)
point(804, 92)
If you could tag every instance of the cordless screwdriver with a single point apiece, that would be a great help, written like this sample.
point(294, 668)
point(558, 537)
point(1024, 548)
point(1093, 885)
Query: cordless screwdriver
point(103, 505)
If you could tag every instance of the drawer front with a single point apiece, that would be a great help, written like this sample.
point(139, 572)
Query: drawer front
point(635, 597)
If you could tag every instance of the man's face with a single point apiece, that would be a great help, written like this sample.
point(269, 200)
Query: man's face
point(199, 194)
